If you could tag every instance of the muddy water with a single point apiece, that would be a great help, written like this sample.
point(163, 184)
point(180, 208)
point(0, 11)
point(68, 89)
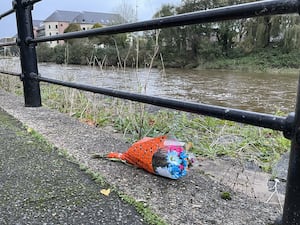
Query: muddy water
point(259, 92)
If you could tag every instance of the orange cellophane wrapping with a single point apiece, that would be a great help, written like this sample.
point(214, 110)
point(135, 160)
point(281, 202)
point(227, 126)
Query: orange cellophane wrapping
point(141, 153)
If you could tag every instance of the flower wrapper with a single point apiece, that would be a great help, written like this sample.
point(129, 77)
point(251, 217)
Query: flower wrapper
point(162, 156)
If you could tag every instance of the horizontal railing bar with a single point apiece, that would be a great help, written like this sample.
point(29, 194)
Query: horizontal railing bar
point(253, 9)
point(28, 2)
point(12, 43)
point(247, 117)
point(7, 13)
point(10, 73)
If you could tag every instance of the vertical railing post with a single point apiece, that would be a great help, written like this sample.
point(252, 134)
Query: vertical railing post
point(291, 210)
point(28, 56)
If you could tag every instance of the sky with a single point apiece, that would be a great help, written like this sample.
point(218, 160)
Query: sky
point(42, 9)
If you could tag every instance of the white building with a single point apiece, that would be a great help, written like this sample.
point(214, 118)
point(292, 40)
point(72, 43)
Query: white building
point(58, 21)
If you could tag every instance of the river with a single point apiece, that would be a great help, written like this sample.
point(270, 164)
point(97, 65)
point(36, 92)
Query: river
point(260, 92)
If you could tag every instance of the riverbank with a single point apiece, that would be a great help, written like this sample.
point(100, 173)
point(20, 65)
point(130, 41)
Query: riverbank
point(267, 60)
point(247, 68)
point(233, 65)
point(195, 199)
point(210, 137)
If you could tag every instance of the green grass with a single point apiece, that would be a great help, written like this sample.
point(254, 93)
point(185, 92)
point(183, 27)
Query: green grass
point(149, 216)
point(144, 210)
point(263, 60)
point(210, 137)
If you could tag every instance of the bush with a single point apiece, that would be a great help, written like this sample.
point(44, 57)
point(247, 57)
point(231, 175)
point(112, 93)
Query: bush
point(59, 54)
point(44, 52)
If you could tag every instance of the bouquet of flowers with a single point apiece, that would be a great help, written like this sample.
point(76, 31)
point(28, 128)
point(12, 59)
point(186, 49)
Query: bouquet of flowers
point(162, 155)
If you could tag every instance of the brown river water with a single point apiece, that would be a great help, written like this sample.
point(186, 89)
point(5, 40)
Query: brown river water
point(260, 92)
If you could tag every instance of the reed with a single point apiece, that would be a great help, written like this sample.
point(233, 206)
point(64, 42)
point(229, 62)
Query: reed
point(210, 137)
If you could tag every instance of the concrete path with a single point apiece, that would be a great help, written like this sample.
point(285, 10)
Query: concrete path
point(195, 199)
point(40, 186)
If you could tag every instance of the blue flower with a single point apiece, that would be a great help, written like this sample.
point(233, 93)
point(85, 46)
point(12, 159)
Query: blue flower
point(183, 155)
point(172, 158)
point(185, 163)
point(175, 171)
point(184, 158)
point(183, 172)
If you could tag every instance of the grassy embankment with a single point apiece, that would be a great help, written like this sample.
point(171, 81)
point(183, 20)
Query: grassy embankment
point(267, 60)
point(210, 137)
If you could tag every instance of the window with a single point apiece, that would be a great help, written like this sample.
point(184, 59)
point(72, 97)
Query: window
point(56, 26)
point(83, 28)
point(61, 24)
point(50, 34)
point(49, 26)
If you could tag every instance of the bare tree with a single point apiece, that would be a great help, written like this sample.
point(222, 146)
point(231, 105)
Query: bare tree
point(127, 12)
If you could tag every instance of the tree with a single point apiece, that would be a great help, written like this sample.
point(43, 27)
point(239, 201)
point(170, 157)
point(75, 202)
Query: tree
point(44, 52)
point(226, 33)
point(76, 50)
point(192, 36)
point(127, 12)
point(291, 39)
point(167, 38)
point(108, 40)
point(72, 28)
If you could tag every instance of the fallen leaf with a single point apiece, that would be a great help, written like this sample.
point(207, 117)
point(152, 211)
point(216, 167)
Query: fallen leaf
point(188, 146)
point(105, 192)
point(29, 130)
point(89, 122)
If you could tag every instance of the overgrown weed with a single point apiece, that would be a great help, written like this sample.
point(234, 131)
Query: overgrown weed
point(211, 137)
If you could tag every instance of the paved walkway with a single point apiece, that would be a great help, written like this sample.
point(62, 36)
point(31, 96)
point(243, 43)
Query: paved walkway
point(39, 186)
point(194, 199)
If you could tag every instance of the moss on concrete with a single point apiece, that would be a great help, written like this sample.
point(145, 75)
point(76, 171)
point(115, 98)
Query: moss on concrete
point(39, 185)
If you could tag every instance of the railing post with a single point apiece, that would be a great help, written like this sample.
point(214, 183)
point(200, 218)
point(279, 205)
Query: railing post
point(291, 210)
point(28, 57)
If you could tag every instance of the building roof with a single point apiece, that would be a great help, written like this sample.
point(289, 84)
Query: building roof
point(37, 23)
point(62, 16)
point(97, 17)
point(84, 17)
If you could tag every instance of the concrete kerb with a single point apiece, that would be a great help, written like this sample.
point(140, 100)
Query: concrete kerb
point(195, 199)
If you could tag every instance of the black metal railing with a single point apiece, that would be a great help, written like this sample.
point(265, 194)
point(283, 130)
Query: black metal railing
point(289, 125)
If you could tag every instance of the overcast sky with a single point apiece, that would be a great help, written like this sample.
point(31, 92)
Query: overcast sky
point(146, 9)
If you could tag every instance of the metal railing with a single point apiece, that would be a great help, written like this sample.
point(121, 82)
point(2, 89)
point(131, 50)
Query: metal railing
point(289, 125)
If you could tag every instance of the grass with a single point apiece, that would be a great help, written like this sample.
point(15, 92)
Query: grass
point(149, 216)
point(264, 60)
point(210, 137)
point(144, 210)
